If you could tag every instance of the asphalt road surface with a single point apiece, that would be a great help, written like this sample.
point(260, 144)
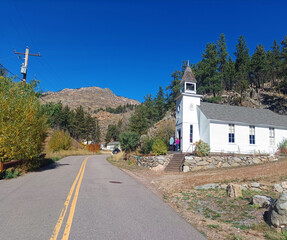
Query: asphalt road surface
point(86, 198)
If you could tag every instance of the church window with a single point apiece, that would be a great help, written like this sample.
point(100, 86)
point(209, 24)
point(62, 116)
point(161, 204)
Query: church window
point(271, 136)
point(251, 134)
point(231, 133)
point(191, 134)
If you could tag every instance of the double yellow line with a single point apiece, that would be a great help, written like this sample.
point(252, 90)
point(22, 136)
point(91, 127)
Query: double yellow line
point(76, 185)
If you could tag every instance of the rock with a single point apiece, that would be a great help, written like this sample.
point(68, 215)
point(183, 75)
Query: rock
point(207, 186)
point(223, 186)
point(202, 163)
point(219, 165)
point(234, 190)
point(262, 200)
point(158, 168)
point(225, 165)
point(236, 159)
point(185, 169)
point(254, 185)
point(234, 164)
point(278, 211)
point(278, 188)
point(243, 188)
point(256, 161)
point(284, 184)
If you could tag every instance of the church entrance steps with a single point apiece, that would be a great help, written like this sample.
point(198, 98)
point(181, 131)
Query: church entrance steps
point(175, 164)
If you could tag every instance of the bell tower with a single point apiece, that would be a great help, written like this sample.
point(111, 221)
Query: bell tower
point(187, 122)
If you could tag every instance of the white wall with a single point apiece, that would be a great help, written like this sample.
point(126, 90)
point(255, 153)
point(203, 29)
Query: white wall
point(204, 127)
point(219, 139)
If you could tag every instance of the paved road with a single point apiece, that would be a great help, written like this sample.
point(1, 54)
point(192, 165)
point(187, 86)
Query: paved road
point(97, 205)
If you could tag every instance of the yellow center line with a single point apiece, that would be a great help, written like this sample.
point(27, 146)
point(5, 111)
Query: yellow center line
point(66, 204)
point(73, 207)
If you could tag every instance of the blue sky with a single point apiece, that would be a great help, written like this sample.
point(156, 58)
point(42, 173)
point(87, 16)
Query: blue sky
point(131, 47)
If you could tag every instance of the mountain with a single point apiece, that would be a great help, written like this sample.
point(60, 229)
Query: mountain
point(91, 98)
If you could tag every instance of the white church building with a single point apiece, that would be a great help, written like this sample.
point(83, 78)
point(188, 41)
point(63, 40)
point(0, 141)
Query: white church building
point(226, 129)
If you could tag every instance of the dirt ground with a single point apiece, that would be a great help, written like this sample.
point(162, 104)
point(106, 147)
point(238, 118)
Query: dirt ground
point(177, 190)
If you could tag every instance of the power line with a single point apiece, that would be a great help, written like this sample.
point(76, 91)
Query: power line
point(10, 72)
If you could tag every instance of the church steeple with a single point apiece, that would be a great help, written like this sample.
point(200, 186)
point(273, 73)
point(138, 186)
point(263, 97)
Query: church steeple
point(188, 81)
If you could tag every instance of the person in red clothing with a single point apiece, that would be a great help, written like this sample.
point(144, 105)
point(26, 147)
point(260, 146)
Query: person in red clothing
point(176, 144)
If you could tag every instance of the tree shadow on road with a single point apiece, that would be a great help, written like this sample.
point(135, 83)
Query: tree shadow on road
point(49, 164)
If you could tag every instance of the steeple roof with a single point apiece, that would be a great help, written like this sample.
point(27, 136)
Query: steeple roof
point(188, 76)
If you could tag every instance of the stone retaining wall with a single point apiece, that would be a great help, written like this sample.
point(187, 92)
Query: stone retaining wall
point(193, 163)
point(152, 161)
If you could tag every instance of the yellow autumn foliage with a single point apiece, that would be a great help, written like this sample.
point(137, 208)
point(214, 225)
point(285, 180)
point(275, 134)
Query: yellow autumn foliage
point(22, 125)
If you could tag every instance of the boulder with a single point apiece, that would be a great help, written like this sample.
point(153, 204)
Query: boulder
point(256, 161)
point(278, 188)
point(207, 186)
point(185, 169)
point(284, 184)
point(254, 185)
point(225, 165)
point(202, 163)
point(234, 190)
point(278, 211)
point(262, 200)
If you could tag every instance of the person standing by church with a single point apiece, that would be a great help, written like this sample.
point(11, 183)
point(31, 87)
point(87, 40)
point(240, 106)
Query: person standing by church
point(176, 144)
point(171, 144)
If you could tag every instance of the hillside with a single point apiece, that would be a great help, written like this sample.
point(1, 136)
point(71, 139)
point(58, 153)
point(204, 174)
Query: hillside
point(91, 98)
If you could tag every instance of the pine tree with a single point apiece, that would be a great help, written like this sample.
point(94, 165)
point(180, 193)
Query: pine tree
point(113, 133)
point(274, 62)
point(283, 85)
point(229, 74)
point(242, 65)
point(159, 104)
point(208, 76)
point(259, 67)
point(222, 54)
point(150, 109)
point(139, 121)
point(173, 89)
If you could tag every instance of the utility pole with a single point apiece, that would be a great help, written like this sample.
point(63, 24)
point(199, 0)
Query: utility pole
point(24, 66)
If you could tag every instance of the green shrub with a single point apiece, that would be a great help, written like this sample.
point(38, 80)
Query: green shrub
point(11, 173)
point(215, 99)
point(159, 147)
point(129, 141)
point(22, 124)
point(282, 146)
point(147, 146)
point(201, 149)
point(60, 140)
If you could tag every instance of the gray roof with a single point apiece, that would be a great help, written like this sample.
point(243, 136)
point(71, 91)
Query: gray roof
point(247, 115)
point(188, 76)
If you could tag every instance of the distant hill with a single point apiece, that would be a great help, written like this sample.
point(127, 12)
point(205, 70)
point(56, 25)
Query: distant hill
point(91, 98)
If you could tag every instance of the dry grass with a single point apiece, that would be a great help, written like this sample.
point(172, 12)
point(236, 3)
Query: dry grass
point(66, 153)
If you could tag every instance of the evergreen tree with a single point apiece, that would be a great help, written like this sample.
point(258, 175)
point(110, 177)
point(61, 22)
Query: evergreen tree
point(159, 104)
point(113, 133)
point(242, 65)
point(150, 109)
point(207, 74)
point(283, 84)
point(222, 54)
point(79, 123)
point(274, 61)
point(139, 121)
point(173, 89)
point(229, 74)
point(259, 67)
